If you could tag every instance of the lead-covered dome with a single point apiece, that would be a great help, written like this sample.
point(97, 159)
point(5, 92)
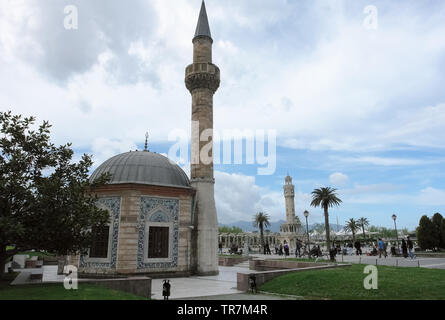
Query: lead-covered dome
point(143, 167)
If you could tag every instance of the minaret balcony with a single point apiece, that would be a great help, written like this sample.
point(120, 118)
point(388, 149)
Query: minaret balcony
point(202, 75)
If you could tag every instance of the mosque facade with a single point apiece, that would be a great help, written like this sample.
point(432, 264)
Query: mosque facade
point(162, 222)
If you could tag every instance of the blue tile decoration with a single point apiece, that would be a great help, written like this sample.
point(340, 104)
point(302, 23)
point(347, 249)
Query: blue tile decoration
point(113, 205)
point(159, 216)
point(168, 211)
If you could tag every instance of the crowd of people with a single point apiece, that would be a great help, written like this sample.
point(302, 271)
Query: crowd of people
point(377, 248)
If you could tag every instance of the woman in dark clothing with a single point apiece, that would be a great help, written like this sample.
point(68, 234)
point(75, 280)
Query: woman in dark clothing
point(404, 249)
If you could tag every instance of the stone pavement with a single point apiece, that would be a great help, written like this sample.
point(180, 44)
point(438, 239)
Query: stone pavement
point(223, 285)
point(432, 263)
point(181, 288)
point(424, 262)
point(49, 275)
point(244, 296)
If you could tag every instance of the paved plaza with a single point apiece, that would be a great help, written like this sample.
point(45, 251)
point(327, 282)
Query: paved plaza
point(223, 285)
point(183, 288)
point(425, 262)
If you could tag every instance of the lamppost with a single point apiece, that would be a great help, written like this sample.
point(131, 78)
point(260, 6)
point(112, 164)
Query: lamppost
point(306, 214)
point(394, 217)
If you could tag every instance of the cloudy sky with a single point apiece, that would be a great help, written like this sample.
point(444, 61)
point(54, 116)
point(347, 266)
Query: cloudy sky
point(357, 108)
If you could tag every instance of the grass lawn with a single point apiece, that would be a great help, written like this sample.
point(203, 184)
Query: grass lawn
point(58, 292)
point(394, 283)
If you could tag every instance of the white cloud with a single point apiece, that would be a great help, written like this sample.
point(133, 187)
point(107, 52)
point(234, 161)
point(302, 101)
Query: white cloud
point(238, 198)
point(339, 179)
point(104, 149)
point(431, 197)
point(292, 86)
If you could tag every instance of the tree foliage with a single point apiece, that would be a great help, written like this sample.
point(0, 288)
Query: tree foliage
point(363, 223)
point(227, 229)
point(261, 220)
point(326, 198)
point(45, 199)
point(352, 225)
point(431, 232)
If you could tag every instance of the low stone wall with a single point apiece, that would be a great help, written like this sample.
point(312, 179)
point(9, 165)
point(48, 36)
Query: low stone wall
point(265, 265)
point(430, 254)
point(229, 261)
point(283, 268)
point(140, 286)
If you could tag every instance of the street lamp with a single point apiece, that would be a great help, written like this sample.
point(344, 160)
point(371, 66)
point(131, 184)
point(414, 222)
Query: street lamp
point(306, 214)
point(394, 217)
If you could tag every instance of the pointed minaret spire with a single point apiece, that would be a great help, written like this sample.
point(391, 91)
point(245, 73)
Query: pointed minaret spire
point(146, 142)
point(202, 28)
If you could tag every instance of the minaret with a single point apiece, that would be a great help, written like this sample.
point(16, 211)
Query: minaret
point(202, 80)
point(289, 196)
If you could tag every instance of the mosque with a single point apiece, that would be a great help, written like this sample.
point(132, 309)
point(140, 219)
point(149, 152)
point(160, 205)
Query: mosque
point(162, 222)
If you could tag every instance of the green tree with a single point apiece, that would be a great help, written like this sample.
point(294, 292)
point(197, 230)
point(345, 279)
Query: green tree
point(363, 223)
point(438, 223)
point(233, 229)
point(326, 198)
point(261, 220)
point(425, 233)
point(45, 198)
point(442, 234)
point(352, 225)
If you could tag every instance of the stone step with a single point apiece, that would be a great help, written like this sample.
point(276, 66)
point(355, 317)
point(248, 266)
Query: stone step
point(244, 264)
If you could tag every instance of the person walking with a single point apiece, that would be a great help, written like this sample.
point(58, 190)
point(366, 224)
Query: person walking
point(268, 248)
point(286, 248)
point(381, 247)
point(280, 252)
point(410, 248)
point(358, 248)
point(384, 249)
point(220, 247)
point(350, 247)
point(298, 248)
point(404, 249)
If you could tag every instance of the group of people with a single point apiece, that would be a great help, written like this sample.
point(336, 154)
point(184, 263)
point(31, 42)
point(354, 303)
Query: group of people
point(407, 248)
point(379, 248)
point(281, 248)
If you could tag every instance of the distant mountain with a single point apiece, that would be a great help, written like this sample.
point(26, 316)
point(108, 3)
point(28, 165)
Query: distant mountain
point(247, 226)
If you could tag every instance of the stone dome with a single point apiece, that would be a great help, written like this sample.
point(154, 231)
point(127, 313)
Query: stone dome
point(143, 167)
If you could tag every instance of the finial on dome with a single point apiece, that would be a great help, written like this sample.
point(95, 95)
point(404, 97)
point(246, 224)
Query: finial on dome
point(146, 142)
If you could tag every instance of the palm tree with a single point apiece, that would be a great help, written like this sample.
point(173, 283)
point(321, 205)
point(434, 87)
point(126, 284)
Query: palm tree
point(352, 225)
point(261, 220)
point(363, 222)
point(326, 198)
